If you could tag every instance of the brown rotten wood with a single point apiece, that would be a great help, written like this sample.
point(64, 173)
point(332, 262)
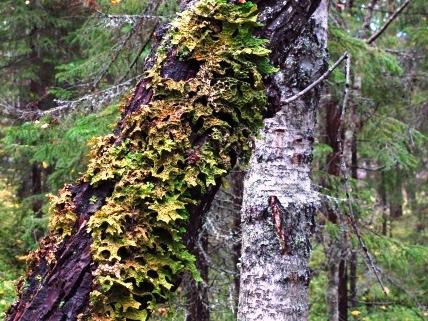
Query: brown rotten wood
point(61, 292)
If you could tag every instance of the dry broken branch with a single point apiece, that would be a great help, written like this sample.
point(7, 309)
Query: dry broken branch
point(88, 103)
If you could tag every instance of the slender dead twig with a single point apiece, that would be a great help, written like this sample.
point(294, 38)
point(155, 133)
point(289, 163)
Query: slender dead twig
point(115, 21)
point(376, 35)
point(318, 81)
point(344, 170)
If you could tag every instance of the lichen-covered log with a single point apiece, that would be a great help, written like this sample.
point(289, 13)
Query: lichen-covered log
point(117, 245)
point(279, 199)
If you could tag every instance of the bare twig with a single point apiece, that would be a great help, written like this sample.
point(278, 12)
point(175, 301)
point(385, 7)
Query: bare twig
point(93, 102)
point(318, 81)
point(423, 14)
point(369, 14)
point(387, 23)
point(115, 21)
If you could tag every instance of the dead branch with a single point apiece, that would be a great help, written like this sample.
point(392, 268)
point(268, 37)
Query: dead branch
point(117, 21)
point(88, 103)
point(135, 28)
point(140, 52)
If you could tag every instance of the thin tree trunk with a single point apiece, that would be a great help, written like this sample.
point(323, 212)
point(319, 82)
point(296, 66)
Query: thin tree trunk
point(384, 203)
point(411, 185)
point(353, 264)
point(343, 289)
point(353, 258)
point(37, 203)
point(396, 199)
point(279, 200)
point(332, 281)
point(36, 188)
point(336, 246)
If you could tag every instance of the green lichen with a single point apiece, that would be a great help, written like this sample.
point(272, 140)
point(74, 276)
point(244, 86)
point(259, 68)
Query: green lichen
point(176, 148)
point(62, 214)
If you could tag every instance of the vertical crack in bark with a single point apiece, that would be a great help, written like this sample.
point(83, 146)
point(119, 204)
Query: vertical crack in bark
point(278, 214)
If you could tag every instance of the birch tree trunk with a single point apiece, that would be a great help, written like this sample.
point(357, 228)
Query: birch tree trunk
point(279, 200)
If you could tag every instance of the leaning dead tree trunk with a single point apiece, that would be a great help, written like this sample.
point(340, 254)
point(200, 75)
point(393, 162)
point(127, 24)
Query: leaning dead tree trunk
point(117, 246)
point(279, 201)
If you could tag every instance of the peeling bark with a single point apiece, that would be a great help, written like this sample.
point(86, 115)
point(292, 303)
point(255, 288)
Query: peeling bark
point(274, 282)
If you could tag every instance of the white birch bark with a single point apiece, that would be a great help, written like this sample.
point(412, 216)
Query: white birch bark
point(275, 238)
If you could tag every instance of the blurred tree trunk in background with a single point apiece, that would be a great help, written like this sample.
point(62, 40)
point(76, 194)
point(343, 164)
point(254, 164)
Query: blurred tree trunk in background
point(197, 306)
point(396, 193)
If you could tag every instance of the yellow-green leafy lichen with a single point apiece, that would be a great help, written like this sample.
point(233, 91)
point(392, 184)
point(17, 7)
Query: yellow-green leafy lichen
point(176, 148)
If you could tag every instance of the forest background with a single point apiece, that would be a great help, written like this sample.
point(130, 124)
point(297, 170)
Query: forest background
point(67, 64)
